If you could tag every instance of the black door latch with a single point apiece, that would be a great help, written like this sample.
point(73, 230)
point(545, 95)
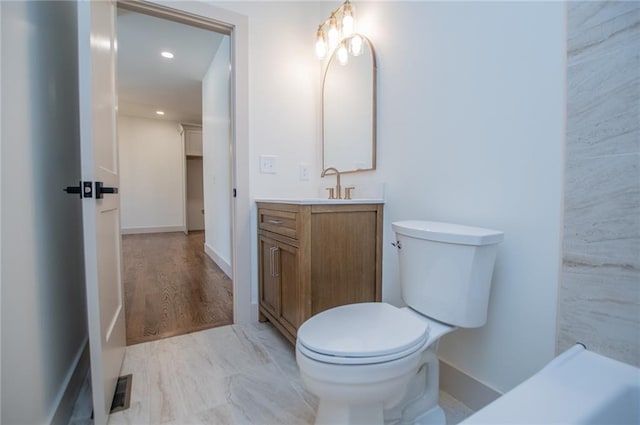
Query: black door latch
point(101, 189)
point(83, 189)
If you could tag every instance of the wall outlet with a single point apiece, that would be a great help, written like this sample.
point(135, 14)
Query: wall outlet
point(268, 164)
point(304, 171)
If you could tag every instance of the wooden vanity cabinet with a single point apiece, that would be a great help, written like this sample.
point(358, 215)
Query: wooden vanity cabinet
point(278, 288)
point(315, 257)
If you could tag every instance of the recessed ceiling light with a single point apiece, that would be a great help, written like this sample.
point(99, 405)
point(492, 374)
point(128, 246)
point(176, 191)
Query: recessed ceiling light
point(167, 55)
point(160, 112)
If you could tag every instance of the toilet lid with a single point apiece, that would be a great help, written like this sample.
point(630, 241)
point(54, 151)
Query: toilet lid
point(363, 330)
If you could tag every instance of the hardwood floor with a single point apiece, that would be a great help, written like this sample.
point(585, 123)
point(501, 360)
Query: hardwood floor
point(172, 287)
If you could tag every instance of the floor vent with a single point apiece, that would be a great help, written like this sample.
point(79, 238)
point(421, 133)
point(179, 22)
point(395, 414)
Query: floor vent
point(122, 396)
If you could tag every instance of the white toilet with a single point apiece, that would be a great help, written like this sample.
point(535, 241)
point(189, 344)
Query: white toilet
point(373, 363)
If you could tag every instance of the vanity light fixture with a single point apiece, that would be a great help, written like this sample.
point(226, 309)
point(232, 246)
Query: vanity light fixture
point(356, 45)
point(343, 54)
point(167, 54)
point(321, 43)
point(334, 32)
point(348, 20)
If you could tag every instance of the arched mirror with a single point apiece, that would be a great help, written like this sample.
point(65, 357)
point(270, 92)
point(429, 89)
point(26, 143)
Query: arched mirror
point(349, 111)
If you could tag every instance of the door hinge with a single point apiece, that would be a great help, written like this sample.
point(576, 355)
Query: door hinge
point(235, 195)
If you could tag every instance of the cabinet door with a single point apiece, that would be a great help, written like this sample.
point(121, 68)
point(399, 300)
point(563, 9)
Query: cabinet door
point(269, 281)
point(193, 142)
point(290, 307)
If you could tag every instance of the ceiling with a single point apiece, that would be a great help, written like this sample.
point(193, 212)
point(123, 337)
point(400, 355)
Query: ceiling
point(147, 82)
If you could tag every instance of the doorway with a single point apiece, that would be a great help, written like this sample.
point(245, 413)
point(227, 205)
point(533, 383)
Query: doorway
point(174, 282)
point(243, 252)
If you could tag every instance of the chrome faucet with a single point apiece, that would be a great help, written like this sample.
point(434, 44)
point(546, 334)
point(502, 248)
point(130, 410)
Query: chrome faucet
point(338, 194)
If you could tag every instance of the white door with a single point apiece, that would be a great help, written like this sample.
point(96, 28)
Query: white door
point(101, 217)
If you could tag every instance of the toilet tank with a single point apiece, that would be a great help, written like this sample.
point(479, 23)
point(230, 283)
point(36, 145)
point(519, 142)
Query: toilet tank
point(446, 269)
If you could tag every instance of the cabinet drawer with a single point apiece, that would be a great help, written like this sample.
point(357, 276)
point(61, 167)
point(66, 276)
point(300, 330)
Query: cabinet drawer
point(280, 222)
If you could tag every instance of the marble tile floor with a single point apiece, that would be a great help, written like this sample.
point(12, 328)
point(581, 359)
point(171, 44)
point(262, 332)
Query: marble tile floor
point(236, 374)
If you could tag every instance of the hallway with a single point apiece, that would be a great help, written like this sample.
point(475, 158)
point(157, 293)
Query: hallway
point(172, 287)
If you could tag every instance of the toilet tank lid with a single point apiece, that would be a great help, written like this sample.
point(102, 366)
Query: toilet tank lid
point(447, 232)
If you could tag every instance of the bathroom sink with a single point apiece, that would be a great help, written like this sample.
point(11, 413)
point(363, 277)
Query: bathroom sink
point(321, 201)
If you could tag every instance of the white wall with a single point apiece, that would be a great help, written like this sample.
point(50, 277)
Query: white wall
point(284, 101)
point(43, 294)
point(284, 94)
point(151, 175)
point(217, 157)
point(473, 132)
point(470, 130)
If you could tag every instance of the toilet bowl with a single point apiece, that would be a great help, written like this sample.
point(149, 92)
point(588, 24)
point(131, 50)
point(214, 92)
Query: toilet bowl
point(359, 369)
point(374, 363)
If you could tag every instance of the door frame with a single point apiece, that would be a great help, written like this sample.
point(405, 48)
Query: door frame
point(236, 27)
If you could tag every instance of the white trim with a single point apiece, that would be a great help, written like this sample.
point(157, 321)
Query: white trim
point(183, 153)
point(1, 208)
point(145, 229)
point(222, 262)
point(254, 312)
point(68, 393)
point(244, 311)
point(465, 388)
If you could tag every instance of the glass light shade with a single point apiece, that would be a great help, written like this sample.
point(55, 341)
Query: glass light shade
point(343, 54)
point(321, 49)
point(333, 34)
point(321, 44)
point(348, 20)
point(356, 45)
point(347, 25)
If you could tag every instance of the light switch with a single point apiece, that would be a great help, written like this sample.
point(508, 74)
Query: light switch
point(268, 164)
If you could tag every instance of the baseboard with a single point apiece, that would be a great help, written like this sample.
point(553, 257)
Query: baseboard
point(158, 229)
point(69, 392)
point(464, 388)
point(224, 265)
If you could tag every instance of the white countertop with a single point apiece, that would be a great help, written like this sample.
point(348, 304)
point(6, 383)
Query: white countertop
point(321, 201)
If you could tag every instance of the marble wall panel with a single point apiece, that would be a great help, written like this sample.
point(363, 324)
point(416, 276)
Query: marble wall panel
point(599, 294)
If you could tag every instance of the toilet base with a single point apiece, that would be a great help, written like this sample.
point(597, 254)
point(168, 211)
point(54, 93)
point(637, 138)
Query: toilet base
point(435, 416)
point(331, 413)
point(336, 413)
point(420, 402)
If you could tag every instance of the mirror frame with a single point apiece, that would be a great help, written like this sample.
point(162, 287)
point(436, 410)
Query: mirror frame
point(374, 111)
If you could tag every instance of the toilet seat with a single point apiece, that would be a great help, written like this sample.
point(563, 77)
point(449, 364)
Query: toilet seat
point(363, 333)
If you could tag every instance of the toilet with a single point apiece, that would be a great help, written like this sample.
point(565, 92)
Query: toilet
point(374, 363)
